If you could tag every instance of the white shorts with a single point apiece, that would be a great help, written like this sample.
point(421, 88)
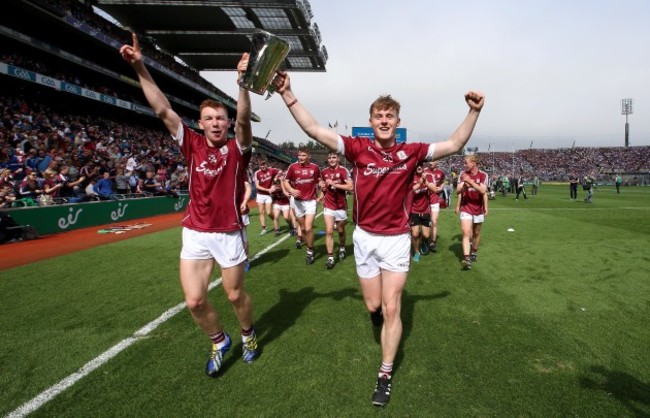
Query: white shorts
point(338, 214)
point(374, 252)
point(227, 248)
point(245, 219)
point(435, 207)
point(304, 207)
point(476, 219)
point(263, 198)
point(283, 208)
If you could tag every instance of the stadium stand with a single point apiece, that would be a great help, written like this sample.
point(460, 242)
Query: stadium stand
point(71, 105)
point(633, 163)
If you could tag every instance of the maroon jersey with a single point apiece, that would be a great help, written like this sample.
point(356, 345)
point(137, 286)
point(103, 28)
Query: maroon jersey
point(436, 177)
point(335, 199)
point(52, 183)
point(278, 195)
point(382, 181)
point(472, 200)
point(304, 178)
point(279, 198)
point(215, 183)
point(420, 203)
point(264, 178)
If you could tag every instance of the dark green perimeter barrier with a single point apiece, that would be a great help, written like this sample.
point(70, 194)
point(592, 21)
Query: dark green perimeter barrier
point(66, 217)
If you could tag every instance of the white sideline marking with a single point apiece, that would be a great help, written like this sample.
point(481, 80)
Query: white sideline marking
point(51, 392)
point(583, 208)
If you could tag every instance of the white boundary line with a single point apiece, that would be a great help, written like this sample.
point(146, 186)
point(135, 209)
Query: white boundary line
point(583, 208)
point(51, 392)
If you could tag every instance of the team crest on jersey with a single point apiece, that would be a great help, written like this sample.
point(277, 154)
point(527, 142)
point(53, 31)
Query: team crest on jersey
point(224, 150)
point(212, 159)
point(401, 155)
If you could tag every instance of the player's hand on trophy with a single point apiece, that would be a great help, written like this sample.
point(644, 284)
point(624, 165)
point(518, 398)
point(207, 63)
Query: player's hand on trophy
point(242, 65)
point(281, 81)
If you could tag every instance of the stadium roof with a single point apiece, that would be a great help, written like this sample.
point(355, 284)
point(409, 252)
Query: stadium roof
point(211, 35)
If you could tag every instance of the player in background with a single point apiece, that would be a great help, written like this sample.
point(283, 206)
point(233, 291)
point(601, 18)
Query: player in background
point(336, 184)
point(281, 206)
point(472, 188)
point(301, 181)
point(295, 227)
point(435, 182)
point(263, 178)
point(420, 216)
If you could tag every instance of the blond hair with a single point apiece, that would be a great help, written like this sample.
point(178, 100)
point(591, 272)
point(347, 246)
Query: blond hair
point(49, 172)
point(473, 158)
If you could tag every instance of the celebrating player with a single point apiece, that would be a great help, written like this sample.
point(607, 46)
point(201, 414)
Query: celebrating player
point(382, 174)
point(212, 224)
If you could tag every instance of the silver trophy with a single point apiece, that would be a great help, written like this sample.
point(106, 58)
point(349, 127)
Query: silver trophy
point(267, 54)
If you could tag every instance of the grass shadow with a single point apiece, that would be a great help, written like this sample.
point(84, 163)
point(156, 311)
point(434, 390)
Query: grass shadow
point(273, 257)
point(280, 317)
point(408, 309)
point(629, 390)
point(290, 305)
point(456, 246)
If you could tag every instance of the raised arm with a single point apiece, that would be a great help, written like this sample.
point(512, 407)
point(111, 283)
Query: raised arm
point(305, 120)
point(243, 128)
point(461, 135)
point(156, 98)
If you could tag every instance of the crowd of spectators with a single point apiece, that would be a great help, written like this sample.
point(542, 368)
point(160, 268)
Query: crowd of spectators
point(556, 164)
point(48, 158)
